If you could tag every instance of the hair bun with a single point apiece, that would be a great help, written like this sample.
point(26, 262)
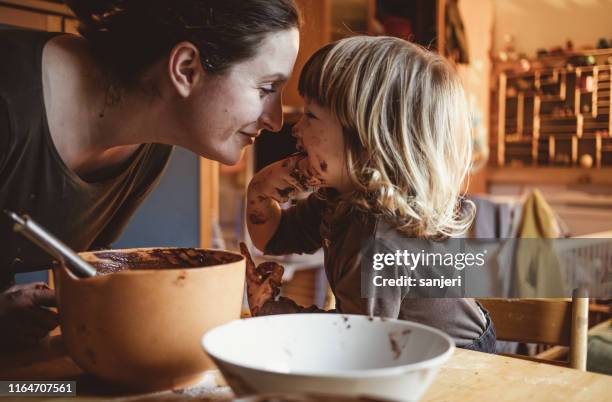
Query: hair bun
point(103, 17)
point(95, 11)
point(127, 36)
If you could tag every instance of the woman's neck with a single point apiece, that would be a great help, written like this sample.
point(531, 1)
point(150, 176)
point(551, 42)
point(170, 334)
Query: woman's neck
point(94, 127)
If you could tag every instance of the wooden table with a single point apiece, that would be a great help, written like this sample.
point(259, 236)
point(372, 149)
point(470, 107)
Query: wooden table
point(468, 376)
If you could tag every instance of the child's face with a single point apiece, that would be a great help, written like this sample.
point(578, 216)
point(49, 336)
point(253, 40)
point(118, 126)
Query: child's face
point(319, 134)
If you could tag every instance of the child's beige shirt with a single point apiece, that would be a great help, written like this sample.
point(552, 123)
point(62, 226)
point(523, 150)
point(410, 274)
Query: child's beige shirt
point(311, 224)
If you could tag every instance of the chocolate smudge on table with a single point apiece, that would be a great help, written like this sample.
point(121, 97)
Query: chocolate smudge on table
point(107, 262)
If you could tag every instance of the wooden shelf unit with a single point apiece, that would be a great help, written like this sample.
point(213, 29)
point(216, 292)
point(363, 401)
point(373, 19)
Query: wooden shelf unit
point(556, 113)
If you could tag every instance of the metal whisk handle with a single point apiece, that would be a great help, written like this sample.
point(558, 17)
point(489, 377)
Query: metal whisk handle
point(41, 237)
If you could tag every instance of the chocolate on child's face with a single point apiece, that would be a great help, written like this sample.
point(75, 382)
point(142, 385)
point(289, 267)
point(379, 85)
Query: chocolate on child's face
point(319, 134)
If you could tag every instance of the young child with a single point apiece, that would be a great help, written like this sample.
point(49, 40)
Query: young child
point(385, 137)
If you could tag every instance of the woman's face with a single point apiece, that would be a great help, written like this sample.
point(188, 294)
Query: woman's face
point(228, 111)
point(319, 134)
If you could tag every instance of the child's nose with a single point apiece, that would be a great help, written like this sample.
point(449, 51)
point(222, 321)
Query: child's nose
point(295, 132)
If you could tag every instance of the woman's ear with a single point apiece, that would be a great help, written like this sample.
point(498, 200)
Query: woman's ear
point(185, 68)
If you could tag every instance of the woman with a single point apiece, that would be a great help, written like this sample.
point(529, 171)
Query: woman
point(87, 124)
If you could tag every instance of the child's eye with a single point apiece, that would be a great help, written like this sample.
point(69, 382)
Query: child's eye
point(309, 115)
point(266, 91)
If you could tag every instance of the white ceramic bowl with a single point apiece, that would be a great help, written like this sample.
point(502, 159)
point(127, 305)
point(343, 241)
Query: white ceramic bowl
point(347, 355)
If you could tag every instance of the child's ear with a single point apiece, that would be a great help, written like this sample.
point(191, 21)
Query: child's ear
point(185, 68)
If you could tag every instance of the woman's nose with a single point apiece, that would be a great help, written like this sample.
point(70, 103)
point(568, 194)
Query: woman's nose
point(272, 117)
point(295, 131)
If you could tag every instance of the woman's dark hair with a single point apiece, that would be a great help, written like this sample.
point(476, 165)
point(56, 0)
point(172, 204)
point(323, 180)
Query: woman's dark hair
point(127, 36)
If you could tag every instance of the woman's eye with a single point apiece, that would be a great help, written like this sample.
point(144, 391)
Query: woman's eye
point(266, 91)
point(310, 115)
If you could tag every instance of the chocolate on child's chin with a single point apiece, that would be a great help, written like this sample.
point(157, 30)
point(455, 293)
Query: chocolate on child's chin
point(107, 262)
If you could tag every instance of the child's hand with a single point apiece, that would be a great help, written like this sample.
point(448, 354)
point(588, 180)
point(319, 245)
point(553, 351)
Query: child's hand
point(263, 283)
point(283, 179)
point(275, 184)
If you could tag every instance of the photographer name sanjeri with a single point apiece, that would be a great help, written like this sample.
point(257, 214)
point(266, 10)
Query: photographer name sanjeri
point(407, 281)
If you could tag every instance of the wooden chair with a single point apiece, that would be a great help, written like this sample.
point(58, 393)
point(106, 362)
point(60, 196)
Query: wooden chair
point(561, 322)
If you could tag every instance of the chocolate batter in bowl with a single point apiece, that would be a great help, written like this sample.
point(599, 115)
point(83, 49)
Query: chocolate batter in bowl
point(139, 323)
point(112, 261)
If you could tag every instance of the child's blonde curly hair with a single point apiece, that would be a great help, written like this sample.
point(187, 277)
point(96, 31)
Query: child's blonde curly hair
point(406, 130)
